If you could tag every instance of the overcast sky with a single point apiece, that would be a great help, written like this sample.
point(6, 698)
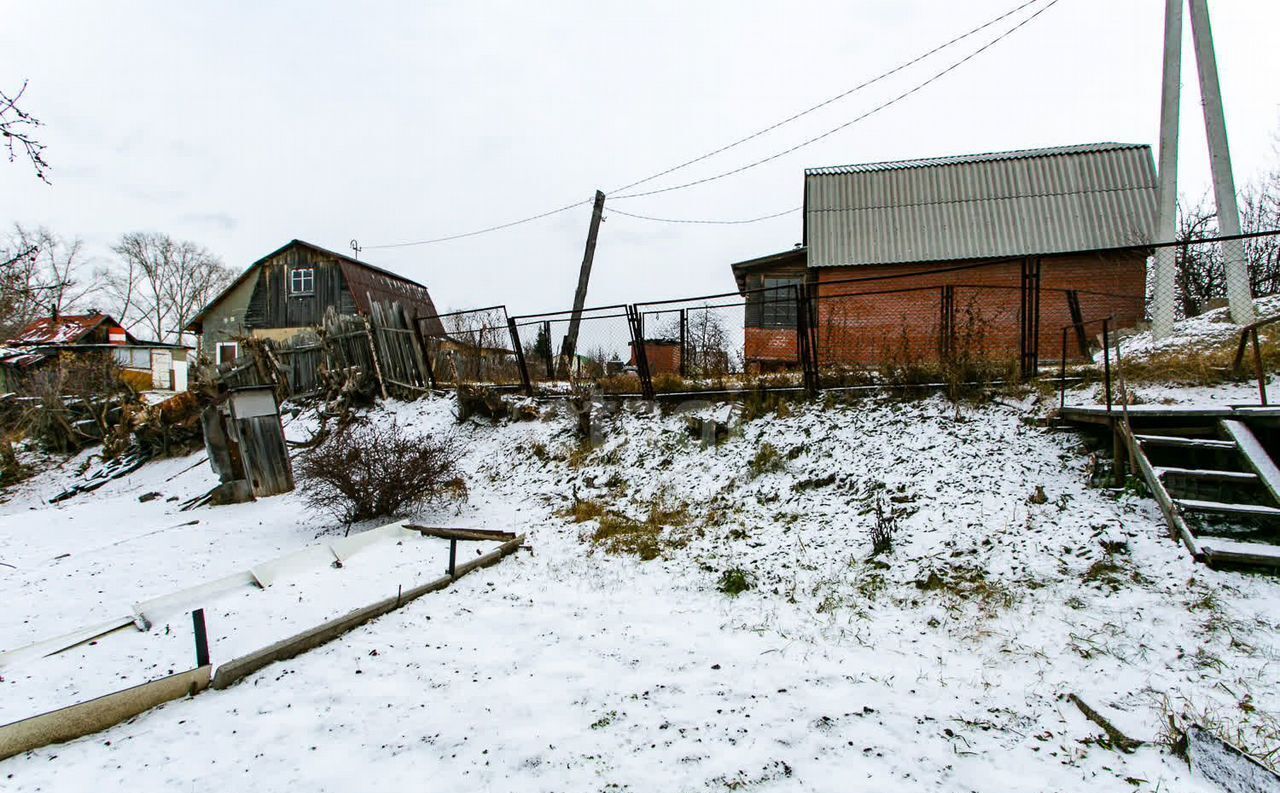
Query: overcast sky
point(242, 125)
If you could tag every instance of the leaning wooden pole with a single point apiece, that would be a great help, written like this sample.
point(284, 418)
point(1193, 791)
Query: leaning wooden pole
point(570, 346)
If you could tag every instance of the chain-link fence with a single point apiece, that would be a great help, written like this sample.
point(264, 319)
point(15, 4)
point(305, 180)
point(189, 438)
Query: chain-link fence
point(1168, 313)
point(559, 352)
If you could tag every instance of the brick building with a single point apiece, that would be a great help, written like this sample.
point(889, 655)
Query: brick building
point(909, 260)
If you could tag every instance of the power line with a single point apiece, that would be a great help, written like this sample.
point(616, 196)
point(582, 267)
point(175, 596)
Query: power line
point(825, 102)
point(710, 222)
point(937, 76)
point(499, 227)
point(759, 133)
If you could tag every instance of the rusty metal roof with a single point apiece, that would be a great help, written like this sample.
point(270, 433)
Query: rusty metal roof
point(363, 280)
point(63, 329)
point(1014, 203)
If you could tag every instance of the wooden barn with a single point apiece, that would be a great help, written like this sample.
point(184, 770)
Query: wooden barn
point(902, 256)
point(286, 293)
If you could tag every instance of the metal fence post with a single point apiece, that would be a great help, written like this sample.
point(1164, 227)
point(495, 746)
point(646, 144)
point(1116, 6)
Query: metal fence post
point(551, 358)
point(635, 320)
point(805, 342)
point(202, 638)
point(520, 361)
point(1062, 373)
point(1106, 359)
point(684, 342)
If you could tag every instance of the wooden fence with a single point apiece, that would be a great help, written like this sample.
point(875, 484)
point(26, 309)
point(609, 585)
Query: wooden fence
point(383, 351)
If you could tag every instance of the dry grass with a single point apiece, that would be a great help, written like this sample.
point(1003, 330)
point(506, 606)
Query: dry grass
point(617, 533)
point(967, 584)
point(768, 460)
point(1203, 365)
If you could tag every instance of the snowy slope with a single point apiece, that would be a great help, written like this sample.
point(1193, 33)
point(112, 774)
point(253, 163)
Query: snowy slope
point(943, 664)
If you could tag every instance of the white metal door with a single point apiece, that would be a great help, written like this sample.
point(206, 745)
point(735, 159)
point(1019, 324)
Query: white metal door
point(161, 369)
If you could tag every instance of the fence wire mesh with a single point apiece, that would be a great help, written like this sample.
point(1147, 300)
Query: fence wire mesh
point(1076, 316)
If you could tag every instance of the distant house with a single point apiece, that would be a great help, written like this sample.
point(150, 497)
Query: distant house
point(147, 365)
point(286, 293)
point(883, 227)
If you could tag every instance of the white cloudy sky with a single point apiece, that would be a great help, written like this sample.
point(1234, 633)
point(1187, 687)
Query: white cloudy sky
point(242, 125)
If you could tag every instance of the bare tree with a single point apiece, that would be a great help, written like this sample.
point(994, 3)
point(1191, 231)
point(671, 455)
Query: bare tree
point(707, 340)
point(161, 283)
point(17, 127)
point(1260, 211)
point(485, 329)
point(1201, 276)
point(43, 274)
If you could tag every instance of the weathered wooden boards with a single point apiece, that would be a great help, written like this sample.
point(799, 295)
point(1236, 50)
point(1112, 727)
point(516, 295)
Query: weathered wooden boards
point(462, 534)
point(1232, 769)
point(245, 443)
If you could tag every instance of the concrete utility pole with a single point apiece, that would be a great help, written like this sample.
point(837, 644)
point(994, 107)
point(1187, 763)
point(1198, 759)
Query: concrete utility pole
point(1239, 297)
point(570, 346)
point(1164, 304)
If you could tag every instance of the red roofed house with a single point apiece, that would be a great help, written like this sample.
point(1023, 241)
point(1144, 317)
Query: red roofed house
point(147, 365)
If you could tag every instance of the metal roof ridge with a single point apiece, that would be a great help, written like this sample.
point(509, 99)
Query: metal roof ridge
point(964, 159)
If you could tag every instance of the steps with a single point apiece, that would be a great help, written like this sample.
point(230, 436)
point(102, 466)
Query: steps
point(1215, 481)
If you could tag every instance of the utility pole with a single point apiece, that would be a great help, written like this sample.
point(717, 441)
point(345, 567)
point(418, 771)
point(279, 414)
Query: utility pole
point(1239, 297)
point(570, 346)
point(1164, 271)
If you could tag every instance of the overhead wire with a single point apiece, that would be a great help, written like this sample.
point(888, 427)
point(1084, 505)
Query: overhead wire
point(615, 211)
point(754, 135)
point(888, 103)
point(828, 101)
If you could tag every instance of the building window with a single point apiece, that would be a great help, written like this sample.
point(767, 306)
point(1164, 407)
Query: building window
point(133, 358)
point(302, 281)
point(777, 303)
point(227, 352)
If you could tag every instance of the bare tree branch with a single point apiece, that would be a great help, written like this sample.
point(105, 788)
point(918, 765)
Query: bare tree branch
point(16, 127)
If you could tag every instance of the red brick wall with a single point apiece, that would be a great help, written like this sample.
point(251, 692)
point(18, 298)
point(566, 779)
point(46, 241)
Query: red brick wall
point(767, 347)
point(903, 323)
point(662, 358)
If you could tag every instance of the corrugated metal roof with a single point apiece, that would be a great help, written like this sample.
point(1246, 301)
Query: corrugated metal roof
point(63, 329)
point(1032, 201)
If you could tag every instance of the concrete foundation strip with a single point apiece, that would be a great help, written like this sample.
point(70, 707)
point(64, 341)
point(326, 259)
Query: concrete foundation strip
point(237, 669)
point(78, 720)
point(150, 611)
point(75, 721)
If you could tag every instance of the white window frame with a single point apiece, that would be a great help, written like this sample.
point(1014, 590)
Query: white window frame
point(302, 281)
point(219, 357)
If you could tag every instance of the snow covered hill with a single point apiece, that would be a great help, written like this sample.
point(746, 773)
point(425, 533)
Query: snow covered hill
point(701, 611)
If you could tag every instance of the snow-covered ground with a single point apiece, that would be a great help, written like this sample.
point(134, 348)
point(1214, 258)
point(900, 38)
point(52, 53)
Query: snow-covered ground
point(943, 664)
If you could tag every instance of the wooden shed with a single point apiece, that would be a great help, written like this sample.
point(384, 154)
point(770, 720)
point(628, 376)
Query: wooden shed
point(286, 293)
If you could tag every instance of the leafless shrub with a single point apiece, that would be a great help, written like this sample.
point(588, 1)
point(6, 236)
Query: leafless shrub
point(883, 530)
point(372, 470)
point(76, 401)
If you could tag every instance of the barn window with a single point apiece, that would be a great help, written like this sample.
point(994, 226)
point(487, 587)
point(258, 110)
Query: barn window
point(778, 302)
point(227, 352)
point(302, 281)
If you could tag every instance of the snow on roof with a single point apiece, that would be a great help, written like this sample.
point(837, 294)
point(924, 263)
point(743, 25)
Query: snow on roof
point(65, 329)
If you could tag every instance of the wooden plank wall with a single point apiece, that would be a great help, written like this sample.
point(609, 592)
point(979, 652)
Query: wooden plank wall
point(386, 348)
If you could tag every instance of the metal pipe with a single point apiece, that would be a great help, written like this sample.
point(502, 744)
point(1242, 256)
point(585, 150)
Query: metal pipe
point(1257, 364)
point(202, 638)
point(1062, 373)
point(1106, 359)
